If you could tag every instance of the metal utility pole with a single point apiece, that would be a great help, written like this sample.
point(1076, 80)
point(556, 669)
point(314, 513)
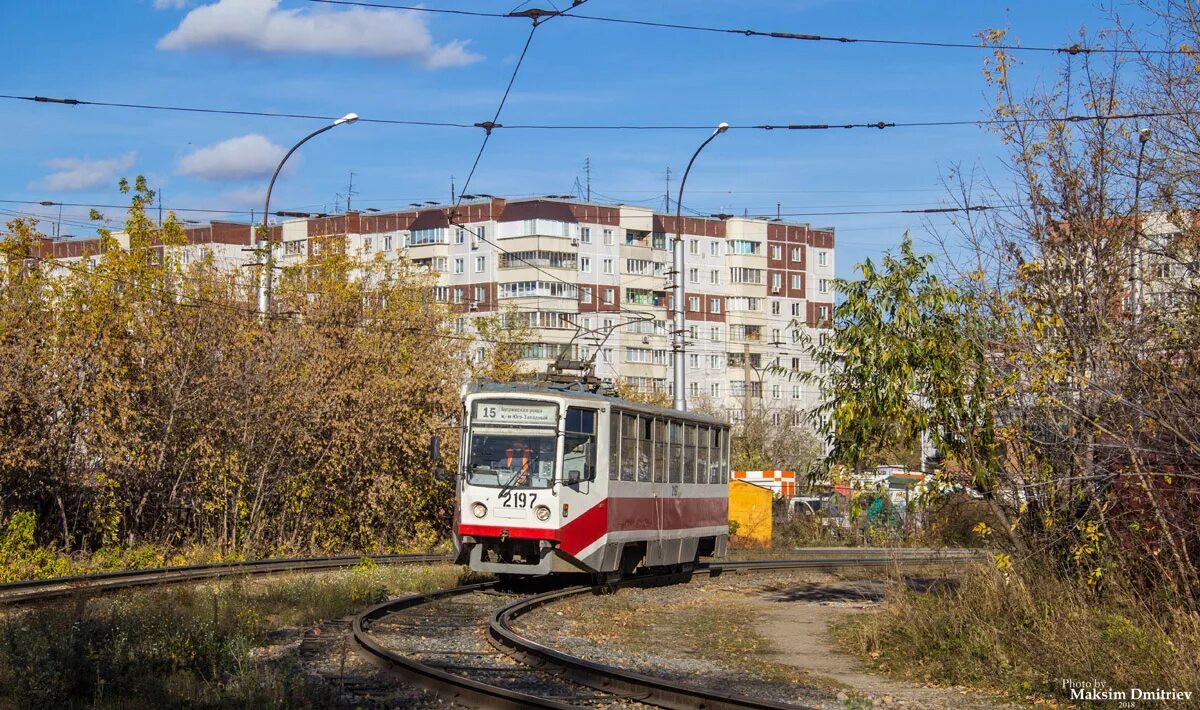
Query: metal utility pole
point(265, 246)
point(587, 176)
point(1135, 251)
point(678, 328)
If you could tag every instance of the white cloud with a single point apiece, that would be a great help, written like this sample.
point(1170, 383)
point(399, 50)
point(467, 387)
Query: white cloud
point(261, 25)
point(249, 156)
point(77, 174)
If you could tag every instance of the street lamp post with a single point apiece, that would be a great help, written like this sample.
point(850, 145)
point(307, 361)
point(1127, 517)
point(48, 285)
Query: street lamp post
point(677, 330)
point(265, 246)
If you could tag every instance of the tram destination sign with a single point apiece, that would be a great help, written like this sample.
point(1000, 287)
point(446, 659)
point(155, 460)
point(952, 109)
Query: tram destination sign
point(520, 414)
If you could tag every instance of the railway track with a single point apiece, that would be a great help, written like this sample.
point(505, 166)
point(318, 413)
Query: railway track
point(447, 655)
point(46, 589)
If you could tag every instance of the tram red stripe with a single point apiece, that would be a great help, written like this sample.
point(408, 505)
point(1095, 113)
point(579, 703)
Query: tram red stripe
point(618, 514)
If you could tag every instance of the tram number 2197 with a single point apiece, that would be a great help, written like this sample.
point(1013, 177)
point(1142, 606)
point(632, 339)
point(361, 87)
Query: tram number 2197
point(509, 499)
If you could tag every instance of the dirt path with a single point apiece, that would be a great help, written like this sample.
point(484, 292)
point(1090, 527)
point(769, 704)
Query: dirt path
point(796, 620)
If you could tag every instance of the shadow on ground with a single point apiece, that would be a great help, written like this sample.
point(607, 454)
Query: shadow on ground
point(856, 591)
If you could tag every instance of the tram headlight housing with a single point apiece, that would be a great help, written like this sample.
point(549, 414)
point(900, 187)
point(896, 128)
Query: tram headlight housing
point(479, 509)
point(542, 513)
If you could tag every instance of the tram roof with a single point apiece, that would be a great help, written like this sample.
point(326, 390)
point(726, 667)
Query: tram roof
point(575, 393)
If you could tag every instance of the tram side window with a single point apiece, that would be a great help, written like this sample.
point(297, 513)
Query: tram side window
point(724, 456)
point(579, 445)
point(689, 454)
point(614, 446)
point(702, 455)
point(628, 447)
point(645, 448)
point(714, 456)
point(676, 463)
point(660, 451)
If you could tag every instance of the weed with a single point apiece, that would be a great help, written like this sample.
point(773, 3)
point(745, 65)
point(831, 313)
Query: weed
point(1024, 631)
point(185, 644)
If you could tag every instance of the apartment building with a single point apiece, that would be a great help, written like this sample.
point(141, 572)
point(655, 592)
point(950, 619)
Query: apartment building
point(595, 282)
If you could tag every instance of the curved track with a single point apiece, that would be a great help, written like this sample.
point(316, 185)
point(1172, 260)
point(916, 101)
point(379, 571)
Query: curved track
point(44, 589)
point(523, 684)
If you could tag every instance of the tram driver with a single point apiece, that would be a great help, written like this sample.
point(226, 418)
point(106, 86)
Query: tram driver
point(524, 461)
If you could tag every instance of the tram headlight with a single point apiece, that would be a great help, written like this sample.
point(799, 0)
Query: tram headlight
point(479, 509)
point(542, 513)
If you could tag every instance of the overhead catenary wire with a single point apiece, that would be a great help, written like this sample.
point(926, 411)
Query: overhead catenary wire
point(490, 126)
point(1071, 49)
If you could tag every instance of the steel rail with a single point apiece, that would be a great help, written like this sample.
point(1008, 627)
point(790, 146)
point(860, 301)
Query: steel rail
point(45, 589)
point(451, 686)
point(609, 679)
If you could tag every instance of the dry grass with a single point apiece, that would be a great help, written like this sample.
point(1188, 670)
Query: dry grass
point(717, 626)
point(1024, 633)
point(185, 645)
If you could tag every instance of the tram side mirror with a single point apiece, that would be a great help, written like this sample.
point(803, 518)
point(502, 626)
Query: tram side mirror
point(574, 477)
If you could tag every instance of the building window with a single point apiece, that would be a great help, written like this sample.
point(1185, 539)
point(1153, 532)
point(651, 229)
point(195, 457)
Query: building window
point(585, 264)
point(433, 235)
point(387, 243)
point(774, 308)
point(480, 294)
point(796, 309)
point(743, 246)
point(775, 336)
point(608, 296)
point(693, 303)
point(775, 393)
point(585, 294)
point(714, 362)
point(714, 305)
point(776, 251)
point(796, 282)
point(458, 295)
point(585, 235)
point(481, 232)
point(776, 282)
point(608, 237)
point(693, 246)
point(694, 389)
point(714, 248)
point(458, 266)
point(693, 360)
point(480, 262)
point(715, 389)
point(823, 313)
point(823, 285)
point(714, 276)
point(694, 275)
point(366, 244)
point(822, 258)
point(693, 332)
point(742, 275)
point(608, 266)
point(714, 334)
point(460, 235)
point(795, 391)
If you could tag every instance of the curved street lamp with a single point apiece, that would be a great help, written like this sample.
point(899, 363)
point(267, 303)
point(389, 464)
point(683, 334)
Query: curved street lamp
point(679, 400)
point(265, 246)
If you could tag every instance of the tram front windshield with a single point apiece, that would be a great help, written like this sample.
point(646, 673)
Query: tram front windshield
point(509, 458)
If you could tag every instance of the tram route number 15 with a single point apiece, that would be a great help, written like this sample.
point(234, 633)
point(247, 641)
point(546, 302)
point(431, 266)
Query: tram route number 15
point(509, 499)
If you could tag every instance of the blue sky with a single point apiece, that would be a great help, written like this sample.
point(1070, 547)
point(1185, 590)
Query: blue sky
point(263, 55)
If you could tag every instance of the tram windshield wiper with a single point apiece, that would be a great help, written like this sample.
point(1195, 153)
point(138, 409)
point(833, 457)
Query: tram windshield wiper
point(508, 484)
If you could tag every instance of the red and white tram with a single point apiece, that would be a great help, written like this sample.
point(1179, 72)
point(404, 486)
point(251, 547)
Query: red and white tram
point(554, 479)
